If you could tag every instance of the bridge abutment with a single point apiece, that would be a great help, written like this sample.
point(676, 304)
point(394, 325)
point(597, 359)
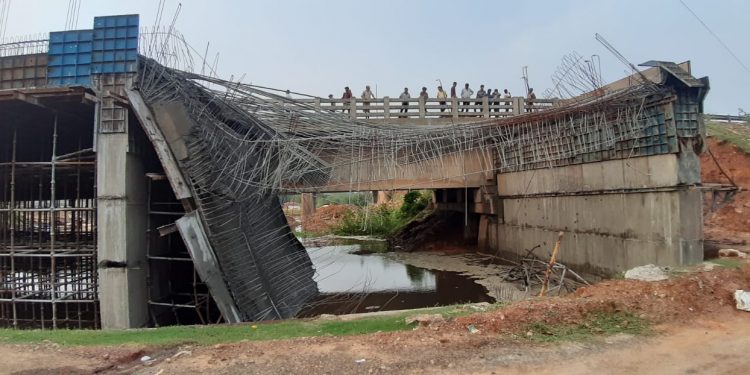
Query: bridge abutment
point(616, 214)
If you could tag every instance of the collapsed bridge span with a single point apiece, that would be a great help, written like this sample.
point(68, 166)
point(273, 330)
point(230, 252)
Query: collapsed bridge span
point(141, 194)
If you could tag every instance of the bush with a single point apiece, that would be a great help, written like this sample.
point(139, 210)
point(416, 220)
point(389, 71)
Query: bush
point(374, 220)
point(414, 203)
point(383, 220)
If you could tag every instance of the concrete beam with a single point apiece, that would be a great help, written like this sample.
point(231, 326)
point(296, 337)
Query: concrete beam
point(205, 262)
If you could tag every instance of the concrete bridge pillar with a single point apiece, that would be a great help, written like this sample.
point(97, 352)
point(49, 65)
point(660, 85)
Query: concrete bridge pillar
point(121, 213)
point(383, 196)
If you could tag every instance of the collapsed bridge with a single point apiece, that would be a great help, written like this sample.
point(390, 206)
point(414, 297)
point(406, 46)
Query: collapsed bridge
point(153, 176)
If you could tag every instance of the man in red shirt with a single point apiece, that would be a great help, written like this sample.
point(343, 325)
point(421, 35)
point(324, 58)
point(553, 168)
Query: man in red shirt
point(347, 97)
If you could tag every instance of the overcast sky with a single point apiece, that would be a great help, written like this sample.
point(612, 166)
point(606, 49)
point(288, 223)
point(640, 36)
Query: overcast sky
point(318, 47)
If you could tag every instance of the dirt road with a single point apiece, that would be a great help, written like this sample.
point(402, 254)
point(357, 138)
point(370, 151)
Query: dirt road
point(708, 346)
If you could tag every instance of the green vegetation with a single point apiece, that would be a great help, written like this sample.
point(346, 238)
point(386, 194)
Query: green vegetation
point(383, 220)
point(727, 262)
point(595, 325)
point(731, 133)
point(415, 202)
point(375, 221)
point(357, 199)
point(208, 335)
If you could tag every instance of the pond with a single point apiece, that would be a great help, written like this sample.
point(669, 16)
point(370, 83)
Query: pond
point(353, 276)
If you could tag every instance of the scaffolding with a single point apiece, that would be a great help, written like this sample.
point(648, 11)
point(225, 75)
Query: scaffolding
point(176, 294)
point(48, 271)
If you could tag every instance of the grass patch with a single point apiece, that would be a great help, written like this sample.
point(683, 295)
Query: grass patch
point(379, 220)
point(307, 234)
point(724, 132)
point(598, 324)
point(225, 333)
point(727, 262)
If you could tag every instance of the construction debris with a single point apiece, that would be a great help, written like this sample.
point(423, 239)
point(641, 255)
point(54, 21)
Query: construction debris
point(552, 261)
point(648, 272)
point(731, 253)
point(532, 271)
point(743, 300)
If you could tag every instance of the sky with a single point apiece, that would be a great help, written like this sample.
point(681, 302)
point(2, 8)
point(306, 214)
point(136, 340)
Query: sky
point(318, 47)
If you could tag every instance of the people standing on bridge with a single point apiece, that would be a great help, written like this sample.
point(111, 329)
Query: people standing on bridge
point(453, 91)
point(490, 98)
point(442, 95)
point(530, 100)
point(423, 96)
point(404, 105)
point(466, 93)
point(480, 95)
point(496, 97)
point(333, 104)
point(367, 95)
point(507, 96)
point(347, 98)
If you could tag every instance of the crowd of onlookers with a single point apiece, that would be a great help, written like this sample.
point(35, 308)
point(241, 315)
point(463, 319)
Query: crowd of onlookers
point(493, 97)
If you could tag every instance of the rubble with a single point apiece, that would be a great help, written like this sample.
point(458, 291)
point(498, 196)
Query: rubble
point(731, 253)
point(743, 300)
point(648, 272)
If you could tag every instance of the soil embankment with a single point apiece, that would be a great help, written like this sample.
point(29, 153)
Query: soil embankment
point(730, 224)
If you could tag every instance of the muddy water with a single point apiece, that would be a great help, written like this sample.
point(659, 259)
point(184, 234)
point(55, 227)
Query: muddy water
point(358, 276)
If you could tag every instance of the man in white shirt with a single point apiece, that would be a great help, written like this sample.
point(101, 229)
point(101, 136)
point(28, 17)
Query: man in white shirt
point(506, 95)
point(367, 95)
point(404, 95)
point(466, 93)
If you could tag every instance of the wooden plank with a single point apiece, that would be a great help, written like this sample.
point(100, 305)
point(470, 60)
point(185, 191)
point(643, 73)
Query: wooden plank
point(166, 157)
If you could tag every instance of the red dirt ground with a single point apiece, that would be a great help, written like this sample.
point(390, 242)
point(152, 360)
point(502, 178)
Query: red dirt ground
point(675, 300)
point(731, 223)
point(327, 217)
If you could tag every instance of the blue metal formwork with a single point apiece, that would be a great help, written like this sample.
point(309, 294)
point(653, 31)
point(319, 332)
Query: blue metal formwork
point(115, 44)
point(69, 58)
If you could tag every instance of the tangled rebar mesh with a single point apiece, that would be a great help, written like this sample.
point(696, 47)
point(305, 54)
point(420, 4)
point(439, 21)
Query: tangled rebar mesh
point(247, 144)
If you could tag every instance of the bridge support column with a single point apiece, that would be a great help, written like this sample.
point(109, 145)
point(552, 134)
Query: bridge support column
point(386, 107)
point(383, 196)
point(122, 214)
point(616, 214)
point(307, 204)
point(121, 241)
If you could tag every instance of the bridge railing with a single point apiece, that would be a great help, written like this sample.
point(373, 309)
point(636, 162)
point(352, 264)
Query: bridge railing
point(431, 108)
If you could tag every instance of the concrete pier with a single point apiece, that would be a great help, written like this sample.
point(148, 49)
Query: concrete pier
point(121, 217)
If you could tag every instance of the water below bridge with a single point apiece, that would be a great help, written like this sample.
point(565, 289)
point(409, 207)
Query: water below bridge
point(356, 275)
